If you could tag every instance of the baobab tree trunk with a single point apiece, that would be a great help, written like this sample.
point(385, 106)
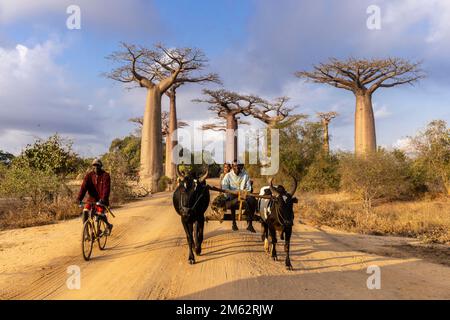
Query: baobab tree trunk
point(326, 137)
point(151, 143)
point(171, 139)
point(231, 139)
point(365, 137)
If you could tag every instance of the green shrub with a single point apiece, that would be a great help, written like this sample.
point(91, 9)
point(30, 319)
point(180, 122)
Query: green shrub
point(163, 183)
point(432, 157)
point(23, 182)
point(116, 165)
point(322, 175)
point(374, 176)
point(52, 155)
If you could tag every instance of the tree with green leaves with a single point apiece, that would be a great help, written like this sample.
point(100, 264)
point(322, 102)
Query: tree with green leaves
point(432, 151)
point(52, 155)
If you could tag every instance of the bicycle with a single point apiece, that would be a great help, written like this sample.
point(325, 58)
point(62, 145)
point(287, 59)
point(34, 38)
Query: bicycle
point(94, 229)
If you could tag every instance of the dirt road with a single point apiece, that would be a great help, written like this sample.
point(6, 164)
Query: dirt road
point(147, 259)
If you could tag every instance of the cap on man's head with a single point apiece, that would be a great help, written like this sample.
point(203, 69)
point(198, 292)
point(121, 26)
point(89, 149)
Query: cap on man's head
point(97, 162)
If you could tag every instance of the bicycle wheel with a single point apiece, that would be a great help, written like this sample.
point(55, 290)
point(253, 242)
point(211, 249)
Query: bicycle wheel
point(101, 228)
point(87, 240)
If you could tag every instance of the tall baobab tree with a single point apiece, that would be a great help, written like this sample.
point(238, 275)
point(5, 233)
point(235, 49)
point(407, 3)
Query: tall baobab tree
point(155, 70)
point(228, 105)
point(166, 119)
point(165, 127)
point(172, 140)
point(363, 77)
point(326, 118)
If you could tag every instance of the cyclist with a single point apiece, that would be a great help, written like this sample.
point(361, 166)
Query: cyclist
point(98, 184)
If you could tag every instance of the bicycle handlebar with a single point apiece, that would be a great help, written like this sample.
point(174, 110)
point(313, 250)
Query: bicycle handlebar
point(98, 204)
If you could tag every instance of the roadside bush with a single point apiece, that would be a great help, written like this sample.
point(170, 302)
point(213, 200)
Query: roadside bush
point(53, 155)
point(375, 176)
point(23, 182)
point(33, 197)
point(129, 148)
point(117, 166)
point(163, 183)
point(432, 157)
point(322, 175)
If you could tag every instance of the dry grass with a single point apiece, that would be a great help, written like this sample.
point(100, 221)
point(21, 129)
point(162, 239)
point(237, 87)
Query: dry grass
point(16, 214)
point(427, 220)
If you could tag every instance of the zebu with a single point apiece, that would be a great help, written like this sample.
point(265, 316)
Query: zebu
point(277, 214)
point(191, 200)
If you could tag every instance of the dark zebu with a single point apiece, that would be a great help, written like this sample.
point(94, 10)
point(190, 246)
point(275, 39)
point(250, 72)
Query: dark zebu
point(191, 200)
point(277, 214)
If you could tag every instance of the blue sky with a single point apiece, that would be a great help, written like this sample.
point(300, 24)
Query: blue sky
point(50, 77)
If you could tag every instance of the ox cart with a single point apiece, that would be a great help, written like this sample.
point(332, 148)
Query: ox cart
point(218, 212)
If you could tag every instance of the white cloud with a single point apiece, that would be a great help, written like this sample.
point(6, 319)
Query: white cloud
point(381, 112)
point(38, 98)
point(403, 144)
point(405, 13)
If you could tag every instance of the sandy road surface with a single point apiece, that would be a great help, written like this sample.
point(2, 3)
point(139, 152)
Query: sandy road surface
point(147, 259)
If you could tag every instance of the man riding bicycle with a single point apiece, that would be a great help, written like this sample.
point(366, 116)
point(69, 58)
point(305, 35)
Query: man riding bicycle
point(98, 184)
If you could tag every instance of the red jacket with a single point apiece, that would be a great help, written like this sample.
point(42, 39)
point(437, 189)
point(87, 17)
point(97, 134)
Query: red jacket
point(98, 187)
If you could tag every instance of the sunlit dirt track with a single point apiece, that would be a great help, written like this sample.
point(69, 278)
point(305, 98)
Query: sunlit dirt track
point(147, 259)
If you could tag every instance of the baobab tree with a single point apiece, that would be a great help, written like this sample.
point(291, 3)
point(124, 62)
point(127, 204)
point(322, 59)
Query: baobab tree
point(172, 138)
point(228, 105)
point(276, 115)
point(221, 125)
point(326, 118)
point(363, 77)
point(165, 127)
point(166, 133)
point(155, 70)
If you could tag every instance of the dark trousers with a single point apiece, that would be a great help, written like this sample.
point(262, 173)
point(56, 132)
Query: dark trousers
point(249, 207)
point(100, 216)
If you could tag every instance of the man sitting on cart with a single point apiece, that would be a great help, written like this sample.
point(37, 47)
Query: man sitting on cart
point(238, 180)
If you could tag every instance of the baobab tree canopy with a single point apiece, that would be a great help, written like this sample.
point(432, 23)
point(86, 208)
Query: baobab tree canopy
point(364, 74)
point(363, 77)
point(276, 114)
point(227, 105)
point(161, 66)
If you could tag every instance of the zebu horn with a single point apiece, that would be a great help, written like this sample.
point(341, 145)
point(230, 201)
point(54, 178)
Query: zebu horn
point(294, 187)
point(204, 176)
point(179, 173)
